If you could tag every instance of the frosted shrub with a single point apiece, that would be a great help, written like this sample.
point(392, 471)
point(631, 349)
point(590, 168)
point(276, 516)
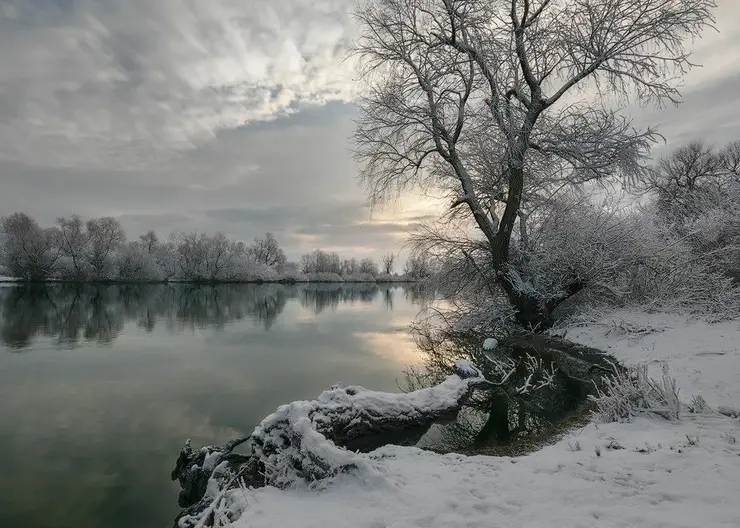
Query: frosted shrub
point(631, 392)
point(358, 277)
point(324, 276)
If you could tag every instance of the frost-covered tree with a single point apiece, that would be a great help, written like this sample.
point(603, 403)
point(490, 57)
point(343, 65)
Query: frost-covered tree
point(389, 262)
point(73, 245)
point(135, 262)
point(369, 267)
point(319, 261)
point(105, 238)
point(696, 191)
point(418, 267)
point(149, 241)
point(447, 76)
point(267, 251)
point(350, 266)
point(28, 251)
point(191, 250)
point(220, 257)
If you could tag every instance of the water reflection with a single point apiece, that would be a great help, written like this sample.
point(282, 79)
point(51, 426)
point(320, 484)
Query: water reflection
point(93, 430)
point(71, 314)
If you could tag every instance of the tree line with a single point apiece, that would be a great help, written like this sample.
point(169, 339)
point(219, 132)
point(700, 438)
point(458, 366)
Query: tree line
point(98, 250)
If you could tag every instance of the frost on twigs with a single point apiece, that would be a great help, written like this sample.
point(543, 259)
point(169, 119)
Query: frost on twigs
point(630, 392)
point(310, 442)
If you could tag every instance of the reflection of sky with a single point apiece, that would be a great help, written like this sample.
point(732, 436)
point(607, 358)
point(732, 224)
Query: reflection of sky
point(91, 432)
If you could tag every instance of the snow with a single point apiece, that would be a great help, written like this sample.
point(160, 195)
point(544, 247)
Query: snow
point(642, 473)
point(649, 483)
point(465, 369)
point(5, 278)
point(490, 343)
point(703, 357)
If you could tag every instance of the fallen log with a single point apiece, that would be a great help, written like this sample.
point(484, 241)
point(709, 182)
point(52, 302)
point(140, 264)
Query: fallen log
point(312, 441)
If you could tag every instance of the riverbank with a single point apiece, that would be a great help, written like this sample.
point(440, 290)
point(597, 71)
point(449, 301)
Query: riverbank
point(642, 473)
point(6, 279)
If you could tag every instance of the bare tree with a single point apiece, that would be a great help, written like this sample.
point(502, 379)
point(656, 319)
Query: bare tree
point(220, 255)
point(28, 251)
point(692, 179)
point(368, 266)
point(350, 266)
point(73, 243)
point(191, 252)
point(319, 261)
point(417, 267)
point(445, 75)
point(389, 261)
point(267, 251)
point(149, 241)
point(730, 156)
point(105, 237)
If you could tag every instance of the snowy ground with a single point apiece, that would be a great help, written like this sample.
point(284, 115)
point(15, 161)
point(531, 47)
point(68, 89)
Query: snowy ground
point(648, 473)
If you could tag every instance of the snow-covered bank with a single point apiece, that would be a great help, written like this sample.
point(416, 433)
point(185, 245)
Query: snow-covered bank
point(703, 357)
point(648, 473)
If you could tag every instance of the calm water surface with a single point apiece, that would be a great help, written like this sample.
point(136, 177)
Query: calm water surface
point(100, 385)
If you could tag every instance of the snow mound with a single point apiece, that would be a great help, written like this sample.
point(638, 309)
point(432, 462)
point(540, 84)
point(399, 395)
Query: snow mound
point(490, 343)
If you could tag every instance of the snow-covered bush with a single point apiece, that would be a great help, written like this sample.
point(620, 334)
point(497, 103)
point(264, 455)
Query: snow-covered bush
point(324, 276)
point(359, 277)
point(631, 392)
point(134, 263)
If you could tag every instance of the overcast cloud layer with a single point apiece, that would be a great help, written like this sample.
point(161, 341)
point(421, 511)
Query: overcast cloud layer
point(227, 115)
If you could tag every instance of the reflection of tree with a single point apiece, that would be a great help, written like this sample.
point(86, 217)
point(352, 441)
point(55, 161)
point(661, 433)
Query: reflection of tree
point(388, 297)
point(320, 296)
point(419, 293)
point(72, 313)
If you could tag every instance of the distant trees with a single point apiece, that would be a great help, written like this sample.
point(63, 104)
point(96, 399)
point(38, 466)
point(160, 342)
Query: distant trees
point(97, 249)
point(418, 267)
point(350, 267)
point(389, 261)
point(149, 241)
point(330, 264)
point(72, 244)
point(319, 261)
point(267, 251)
point(211, 258)
point(105, 239)
point(369, 267)
point(28, 251)
point(696, 192)
point(692, 178)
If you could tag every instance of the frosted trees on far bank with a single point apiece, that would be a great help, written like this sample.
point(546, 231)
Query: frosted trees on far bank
point(268, 252)
point(97, 250)
point(28, 251)
point(389, 262)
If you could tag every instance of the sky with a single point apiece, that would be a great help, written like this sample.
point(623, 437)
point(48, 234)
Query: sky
point(231, 115)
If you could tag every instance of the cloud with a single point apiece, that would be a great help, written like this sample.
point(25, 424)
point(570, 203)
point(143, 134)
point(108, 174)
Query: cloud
point(95, 82)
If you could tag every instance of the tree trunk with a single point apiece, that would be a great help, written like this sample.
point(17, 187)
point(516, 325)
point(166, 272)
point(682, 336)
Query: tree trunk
point(312, 441)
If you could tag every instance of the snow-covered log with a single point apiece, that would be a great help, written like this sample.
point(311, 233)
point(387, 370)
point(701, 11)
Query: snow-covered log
point(311, 441)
